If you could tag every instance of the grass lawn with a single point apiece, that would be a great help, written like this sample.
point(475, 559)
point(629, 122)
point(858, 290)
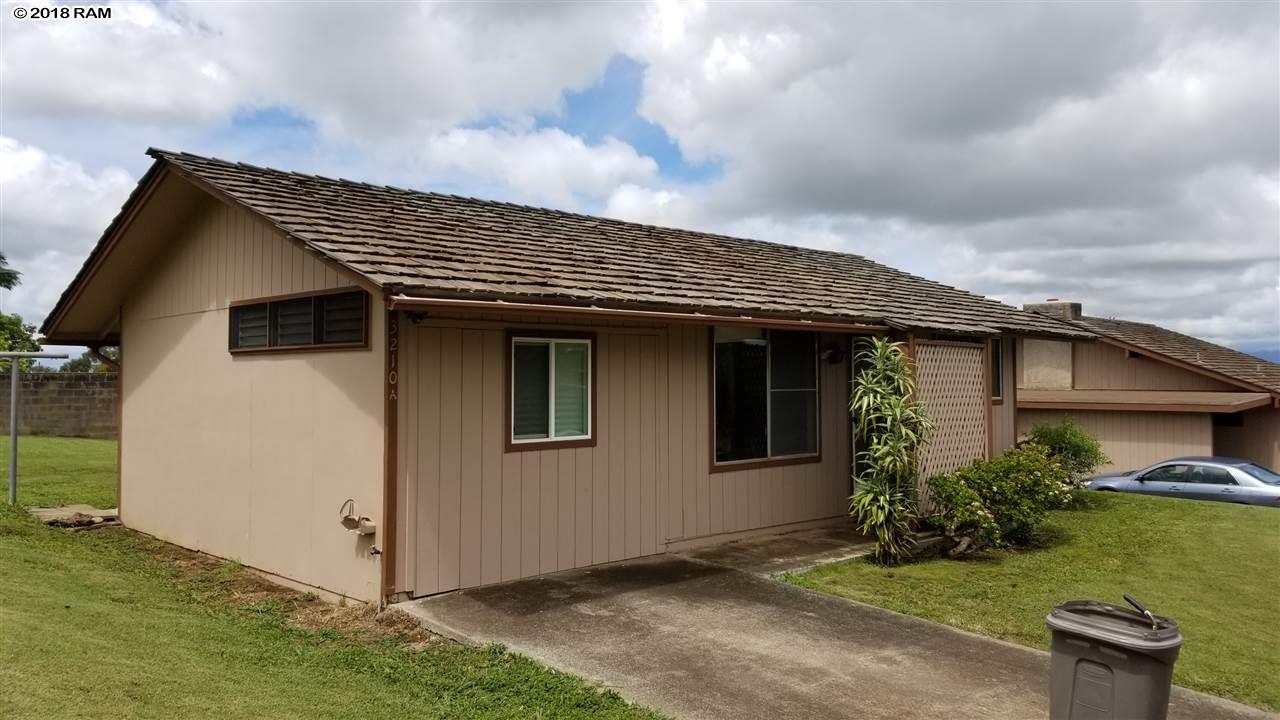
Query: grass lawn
point(1213, 567)
point(56, 471)
point(109, 623)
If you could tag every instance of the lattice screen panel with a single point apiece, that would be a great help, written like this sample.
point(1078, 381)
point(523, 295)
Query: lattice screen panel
point(952, 383)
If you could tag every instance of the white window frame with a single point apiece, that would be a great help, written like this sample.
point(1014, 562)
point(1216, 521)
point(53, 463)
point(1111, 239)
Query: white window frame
point(768, 404)
point(551, 388)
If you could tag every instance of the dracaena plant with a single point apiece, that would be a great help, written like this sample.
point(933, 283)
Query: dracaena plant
point(892, 428)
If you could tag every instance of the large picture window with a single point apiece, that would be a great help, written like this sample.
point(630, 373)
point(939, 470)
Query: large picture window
point(766, 394)
point(322, 321)
point(551, 391)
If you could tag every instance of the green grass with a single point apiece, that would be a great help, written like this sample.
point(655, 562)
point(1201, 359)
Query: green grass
point(56, 471)
point(109, 623)
point(1213, 567)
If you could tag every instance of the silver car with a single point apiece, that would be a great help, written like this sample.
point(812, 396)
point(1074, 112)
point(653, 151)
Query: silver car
point(1200, 478)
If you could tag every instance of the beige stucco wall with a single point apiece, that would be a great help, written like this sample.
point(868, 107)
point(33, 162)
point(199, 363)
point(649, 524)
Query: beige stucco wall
point(1045, 365)
point(1134, 439)
point(248, 457)
point(472, 514)
point(1099, 366)
point(1258, 438)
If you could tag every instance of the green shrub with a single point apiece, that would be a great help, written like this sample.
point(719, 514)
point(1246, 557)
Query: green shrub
point(891, 429)
point(1076, 450)
point(1014, 493)
point(885, 510)
point(961, 515)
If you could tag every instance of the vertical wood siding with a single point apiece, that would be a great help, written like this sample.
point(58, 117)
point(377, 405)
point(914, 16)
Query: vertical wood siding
point(226, 254)
point(1134, 439)
point(248, 457)
point(473, 514)
point(1257, 439)
point(1099, 366)
point(1004, 417)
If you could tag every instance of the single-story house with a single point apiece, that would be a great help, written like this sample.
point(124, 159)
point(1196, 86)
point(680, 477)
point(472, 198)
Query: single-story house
point(385, 393)
point(1150, 394)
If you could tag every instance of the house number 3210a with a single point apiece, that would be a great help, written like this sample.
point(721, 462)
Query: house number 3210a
point(393, 356)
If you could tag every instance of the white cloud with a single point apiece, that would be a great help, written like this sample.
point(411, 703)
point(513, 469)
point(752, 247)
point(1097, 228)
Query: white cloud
point(142, 65)
point(1123, 154)
point(546, 165)
point(372, 72)
point(51, 212)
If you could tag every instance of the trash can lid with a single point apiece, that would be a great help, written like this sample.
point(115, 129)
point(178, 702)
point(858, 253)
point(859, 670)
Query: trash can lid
point(1115, 624)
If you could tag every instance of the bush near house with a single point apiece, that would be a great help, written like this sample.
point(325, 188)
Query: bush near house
point(1210, 566)
point(998, 501)
point(1078, 452)
point(891, 429)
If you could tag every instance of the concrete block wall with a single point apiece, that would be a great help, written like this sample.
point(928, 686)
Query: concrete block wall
point(67, 404)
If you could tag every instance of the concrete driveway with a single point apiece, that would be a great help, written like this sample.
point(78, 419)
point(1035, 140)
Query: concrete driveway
point(701, 640)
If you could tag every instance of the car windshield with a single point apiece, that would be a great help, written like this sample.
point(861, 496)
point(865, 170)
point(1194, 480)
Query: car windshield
point(1261, 473)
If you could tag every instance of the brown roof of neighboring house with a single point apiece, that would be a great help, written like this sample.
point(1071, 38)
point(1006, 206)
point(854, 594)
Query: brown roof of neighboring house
point(444, 246)
point(1189, 350)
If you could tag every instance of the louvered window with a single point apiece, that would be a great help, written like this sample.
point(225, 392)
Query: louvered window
point(316, 321)
point(249, 326)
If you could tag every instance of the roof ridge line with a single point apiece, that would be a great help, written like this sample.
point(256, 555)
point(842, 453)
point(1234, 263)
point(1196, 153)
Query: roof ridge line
point(153, 151)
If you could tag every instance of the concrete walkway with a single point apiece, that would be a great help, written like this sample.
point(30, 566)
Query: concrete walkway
point(698, 640)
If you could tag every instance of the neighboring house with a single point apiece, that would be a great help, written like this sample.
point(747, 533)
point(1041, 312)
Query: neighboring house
point(490, 391)
point(1150, 394)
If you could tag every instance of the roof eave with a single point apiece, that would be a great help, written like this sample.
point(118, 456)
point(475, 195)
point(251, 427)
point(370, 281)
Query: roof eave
point(143, 189)
point(549, 306)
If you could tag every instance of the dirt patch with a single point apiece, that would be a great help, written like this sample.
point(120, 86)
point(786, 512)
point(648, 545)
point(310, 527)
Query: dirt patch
point(219, 582)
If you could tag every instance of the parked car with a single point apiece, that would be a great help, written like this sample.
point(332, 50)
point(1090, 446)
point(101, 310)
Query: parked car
point(1221, 479)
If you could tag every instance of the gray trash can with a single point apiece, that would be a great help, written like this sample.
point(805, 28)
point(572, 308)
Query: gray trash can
point(1109, 662)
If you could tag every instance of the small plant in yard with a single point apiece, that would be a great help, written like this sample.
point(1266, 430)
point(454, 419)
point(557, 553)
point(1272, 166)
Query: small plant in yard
point(891, 428)
point(998, 501)
point(1078, 452)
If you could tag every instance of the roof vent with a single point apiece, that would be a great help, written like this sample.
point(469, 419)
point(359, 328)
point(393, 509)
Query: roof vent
point(1053, 307)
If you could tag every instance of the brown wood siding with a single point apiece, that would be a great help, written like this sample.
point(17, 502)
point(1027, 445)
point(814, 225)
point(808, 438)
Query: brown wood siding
point(248, 457)
point(1134, 439)
point(482, 515)
point(1004, 415)
point(227, 255)
point(1099, 366)
point(1257, 438)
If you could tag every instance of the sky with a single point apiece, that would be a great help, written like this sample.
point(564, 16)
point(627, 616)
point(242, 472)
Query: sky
point(1125, 156)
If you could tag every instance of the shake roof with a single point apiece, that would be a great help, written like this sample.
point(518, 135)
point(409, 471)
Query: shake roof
point(443, 246)
point(1184, 348)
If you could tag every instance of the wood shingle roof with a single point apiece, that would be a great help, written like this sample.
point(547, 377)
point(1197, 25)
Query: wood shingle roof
point(433, 245)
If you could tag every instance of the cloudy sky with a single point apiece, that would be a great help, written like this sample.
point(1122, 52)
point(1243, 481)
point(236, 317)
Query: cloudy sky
point(1123, 155)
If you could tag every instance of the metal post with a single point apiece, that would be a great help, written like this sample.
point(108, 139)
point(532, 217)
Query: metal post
point(14, 357)
point(13, 431)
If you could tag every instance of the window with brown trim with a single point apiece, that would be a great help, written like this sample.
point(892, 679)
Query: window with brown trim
point(295, 322)
point(551, 387)
point(766, 395)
